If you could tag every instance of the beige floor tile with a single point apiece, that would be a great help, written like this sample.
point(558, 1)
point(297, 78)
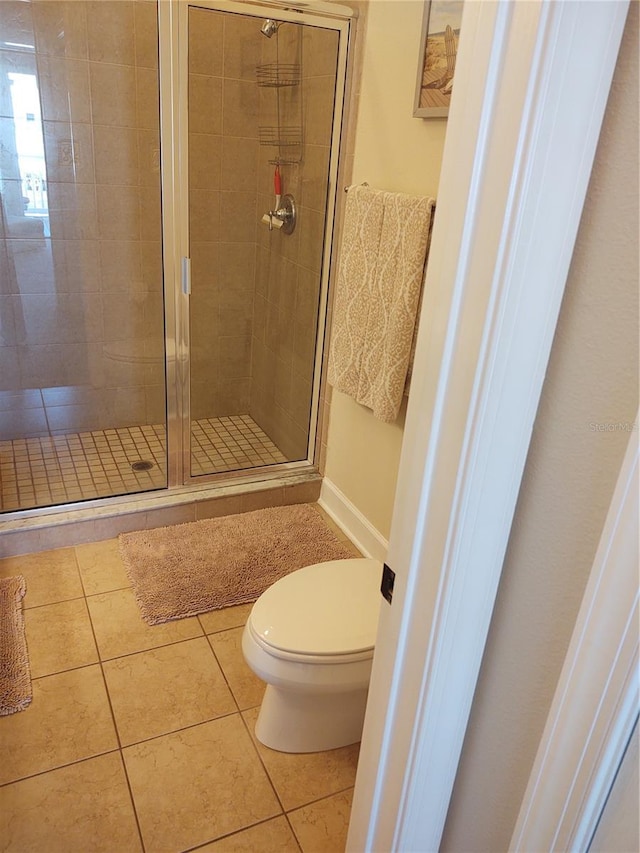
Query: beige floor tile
point(68, 719)
point(322, 826)
point(175, 686)
point(272, 836)
point(101, 567)
point(85, 806)
point(120, 629)
point(51, 576)
point(300, 778)
point(59, 637)
point(228, 617)
point(247, 688)
point(193, 786)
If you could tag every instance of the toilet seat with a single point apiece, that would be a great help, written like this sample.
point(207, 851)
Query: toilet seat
point(326, 613)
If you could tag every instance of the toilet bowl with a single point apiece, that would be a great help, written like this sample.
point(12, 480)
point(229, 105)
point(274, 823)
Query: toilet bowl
point(310, 637)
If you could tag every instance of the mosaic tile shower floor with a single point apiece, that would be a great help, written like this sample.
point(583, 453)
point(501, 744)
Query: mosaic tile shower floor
point(79, 466)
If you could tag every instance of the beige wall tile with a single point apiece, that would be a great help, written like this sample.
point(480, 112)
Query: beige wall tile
point(69, 719)
point(110, 31)
point(238, 218)
point(59, 637)
point(69, 152)
point(235, 356)
point(113, 94)
point(322, 827)
point(272, 836)
point(205, 104)
point(176, 686)
point(318, 94)
point(260, 500)
point(147, 99)
point(72, 212)
point(240, 106)
point(120, 266)
point(240, 164)
point(101, 567)
point(205, 159)
point(149, 157)
point(217, 507)
point(205, 42)
point(146, 33)
point(237, 266)
point(119, 628)
point(150, 213)
point(118, 214)
point(242, 43)
point(64, 89)
point(246, 687)
point(83, 806)
point(61, 28)
point(320, 51)
point(204, 215)
point(116, 156)
point(300, 778)
point(198, 784)
point(51, 576)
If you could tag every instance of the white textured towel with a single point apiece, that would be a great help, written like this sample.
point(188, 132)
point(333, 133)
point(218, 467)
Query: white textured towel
point(384, 248)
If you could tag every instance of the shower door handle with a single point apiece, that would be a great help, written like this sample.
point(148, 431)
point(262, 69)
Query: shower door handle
point(186, 276)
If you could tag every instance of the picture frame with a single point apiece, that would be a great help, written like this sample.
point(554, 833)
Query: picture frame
point(438, 51)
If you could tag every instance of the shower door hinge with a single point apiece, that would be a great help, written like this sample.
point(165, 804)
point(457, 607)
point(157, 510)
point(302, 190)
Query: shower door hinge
point(186, 276)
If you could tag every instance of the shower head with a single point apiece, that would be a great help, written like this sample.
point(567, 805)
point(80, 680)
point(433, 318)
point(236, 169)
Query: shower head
point(269, 27)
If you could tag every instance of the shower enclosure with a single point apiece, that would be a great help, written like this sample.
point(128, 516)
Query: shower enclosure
point(161, 310)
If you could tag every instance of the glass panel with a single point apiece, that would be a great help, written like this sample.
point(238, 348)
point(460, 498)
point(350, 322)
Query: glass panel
point(255, 102)
point(82, 396)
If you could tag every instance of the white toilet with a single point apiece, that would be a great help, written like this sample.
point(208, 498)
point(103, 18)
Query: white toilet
point(310, 636)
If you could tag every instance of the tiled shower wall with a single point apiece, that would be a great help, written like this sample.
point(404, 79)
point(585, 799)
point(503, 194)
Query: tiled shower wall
point(255, 293)
point(288, 266)
point(82, 315)
point(223, 159)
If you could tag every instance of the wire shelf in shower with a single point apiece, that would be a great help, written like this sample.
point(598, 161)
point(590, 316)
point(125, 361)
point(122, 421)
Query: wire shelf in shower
point(280, 137)
point(276, 75)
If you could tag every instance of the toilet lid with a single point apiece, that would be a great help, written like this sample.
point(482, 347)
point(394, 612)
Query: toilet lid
point(325, 609)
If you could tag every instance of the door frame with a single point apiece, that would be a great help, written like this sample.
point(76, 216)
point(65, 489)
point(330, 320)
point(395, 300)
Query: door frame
point(517, 161)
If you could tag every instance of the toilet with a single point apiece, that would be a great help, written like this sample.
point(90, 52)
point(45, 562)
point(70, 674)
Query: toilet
point(310, 637)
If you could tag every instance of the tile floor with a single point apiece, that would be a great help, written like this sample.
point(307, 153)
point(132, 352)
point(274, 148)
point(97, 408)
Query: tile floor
point(80, 466)
point(141, 738)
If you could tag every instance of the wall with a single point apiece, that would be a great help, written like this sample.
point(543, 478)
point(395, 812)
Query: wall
point(618, 830)
point(569, 478)
point(223, 168)
point(82, 334)
point(391, 151)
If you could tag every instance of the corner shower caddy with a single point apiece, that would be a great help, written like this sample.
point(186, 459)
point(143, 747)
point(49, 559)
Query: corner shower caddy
point(279, 75)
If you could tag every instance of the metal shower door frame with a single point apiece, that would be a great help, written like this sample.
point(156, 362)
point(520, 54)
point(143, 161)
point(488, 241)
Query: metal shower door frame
point(173, 61)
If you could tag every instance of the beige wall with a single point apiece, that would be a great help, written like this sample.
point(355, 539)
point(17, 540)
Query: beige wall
point(569, 478)
point(396, 152)
point(81, 343)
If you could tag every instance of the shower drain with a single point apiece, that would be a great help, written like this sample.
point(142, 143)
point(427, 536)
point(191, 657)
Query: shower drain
point(142, 465)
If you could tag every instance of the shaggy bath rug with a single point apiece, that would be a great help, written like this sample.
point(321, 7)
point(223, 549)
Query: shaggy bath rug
point(191, 568)
point(15, 677)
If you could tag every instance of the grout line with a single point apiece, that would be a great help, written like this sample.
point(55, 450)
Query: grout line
point(58, 767)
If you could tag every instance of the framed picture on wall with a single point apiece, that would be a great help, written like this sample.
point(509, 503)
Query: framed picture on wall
point(438, 50)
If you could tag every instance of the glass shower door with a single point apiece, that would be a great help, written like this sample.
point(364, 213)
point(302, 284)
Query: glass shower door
point(82, 389)
point(255, 284)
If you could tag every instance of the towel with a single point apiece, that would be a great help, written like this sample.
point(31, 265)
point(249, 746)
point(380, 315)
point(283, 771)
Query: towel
point(384, 248)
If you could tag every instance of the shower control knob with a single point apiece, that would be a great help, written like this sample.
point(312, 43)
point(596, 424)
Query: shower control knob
point(286, 213)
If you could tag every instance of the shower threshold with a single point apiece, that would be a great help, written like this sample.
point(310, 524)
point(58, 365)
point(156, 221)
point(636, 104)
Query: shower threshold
point(61, 469)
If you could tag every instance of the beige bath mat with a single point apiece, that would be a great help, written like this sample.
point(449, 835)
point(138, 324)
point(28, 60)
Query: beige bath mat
point(15, 678)
point(206, 565)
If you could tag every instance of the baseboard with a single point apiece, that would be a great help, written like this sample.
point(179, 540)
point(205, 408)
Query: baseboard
point(349, 518)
